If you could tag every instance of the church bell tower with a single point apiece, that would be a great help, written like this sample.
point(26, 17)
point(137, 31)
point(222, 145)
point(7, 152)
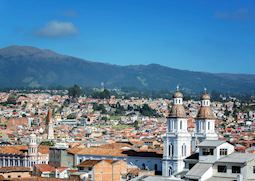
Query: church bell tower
point(177, 141)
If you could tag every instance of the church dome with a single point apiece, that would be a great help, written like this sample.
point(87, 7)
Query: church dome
point(206, 96)
point(178, 94)
point(205, 113)
point(178, 111)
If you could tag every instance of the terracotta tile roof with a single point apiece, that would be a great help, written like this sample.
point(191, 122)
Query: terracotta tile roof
point(11, 150)
point(20, 149)
point(88, 163)
point(44, 168)
point(96, 151)
point(91, 163)
point(42, 179)
point(115, 145)
point(43, 149)
point(61, 169)
point(14, 169)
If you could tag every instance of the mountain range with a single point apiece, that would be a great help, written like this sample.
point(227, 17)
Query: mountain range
point(26, 66)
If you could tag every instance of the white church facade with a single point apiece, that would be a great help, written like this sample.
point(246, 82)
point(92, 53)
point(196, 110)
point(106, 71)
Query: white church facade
point(178, 142)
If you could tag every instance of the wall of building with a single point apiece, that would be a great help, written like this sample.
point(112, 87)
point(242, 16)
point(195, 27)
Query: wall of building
point(13, 175)
point(229, 173)
point(248, 170)
point(58, 158)
point(148, 162)
point(216, 153)
point(103, 172)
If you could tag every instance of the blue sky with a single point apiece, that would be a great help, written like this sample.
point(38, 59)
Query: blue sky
point(214, 36)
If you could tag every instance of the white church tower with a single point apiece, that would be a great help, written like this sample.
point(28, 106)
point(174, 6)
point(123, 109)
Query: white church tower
point(32, 150)
point(177, 142)
point(205, 121)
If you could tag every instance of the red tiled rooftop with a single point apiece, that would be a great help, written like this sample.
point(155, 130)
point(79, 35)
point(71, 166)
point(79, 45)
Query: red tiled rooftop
point(44, 167)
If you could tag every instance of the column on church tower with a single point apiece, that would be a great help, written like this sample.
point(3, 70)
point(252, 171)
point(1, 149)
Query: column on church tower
point(9, 161)
point(19, 161)
point(177, 141)
point(205, 120)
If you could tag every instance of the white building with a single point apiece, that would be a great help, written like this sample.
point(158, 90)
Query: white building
point(218, 161)
point(177, 142)
point(24, 155)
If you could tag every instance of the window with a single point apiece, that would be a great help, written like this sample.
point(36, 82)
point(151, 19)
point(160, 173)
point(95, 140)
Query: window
point(171, 150)
point(183, 150)
point(9, 176)
point(222, 168)
point(180, 124)
point(223, 151)
point(208, 125)
point(207, 151)
point(236, 169)
point(169, 125)
point(170, 171)
point(19, 176)
point(253, 169)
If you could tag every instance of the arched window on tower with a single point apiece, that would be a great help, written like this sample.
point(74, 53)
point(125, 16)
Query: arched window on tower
point(208, 125)
point(170, 150)
point(180, 124)
point(183, 150)
point(170, 171)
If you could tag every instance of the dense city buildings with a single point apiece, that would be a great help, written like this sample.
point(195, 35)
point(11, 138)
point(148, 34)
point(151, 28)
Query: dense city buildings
point(50, 135)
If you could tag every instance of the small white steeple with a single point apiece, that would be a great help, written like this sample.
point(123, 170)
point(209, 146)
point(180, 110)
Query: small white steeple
point(178, 97)
point(206, 98)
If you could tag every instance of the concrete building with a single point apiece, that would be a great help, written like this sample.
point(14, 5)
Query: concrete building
point(218, 161)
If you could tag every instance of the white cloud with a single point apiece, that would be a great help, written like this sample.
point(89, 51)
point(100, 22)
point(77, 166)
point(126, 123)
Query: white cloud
point(54, 29)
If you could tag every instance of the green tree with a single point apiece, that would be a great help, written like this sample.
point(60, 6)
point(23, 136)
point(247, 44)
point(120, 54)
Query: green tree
point(136, 125)
point(75, 91)
point(105, 94)
point(146, 110)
